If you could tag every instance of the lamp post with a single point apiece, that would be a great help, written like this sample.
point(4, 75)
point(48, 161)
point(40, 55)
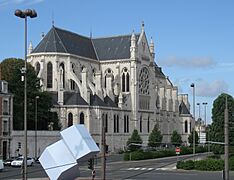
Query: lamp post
point(199, 120)
point(205, 104)
point(36, 98)
point(194, 151)
point(24, 14)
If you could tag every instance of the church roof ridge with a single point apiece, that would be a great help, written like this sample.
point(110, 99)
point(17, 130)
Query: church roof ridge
point(115, 36)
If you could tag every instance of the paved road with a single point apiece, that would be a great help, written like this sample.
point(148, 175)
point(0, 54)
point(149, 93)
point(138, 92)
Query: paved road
point(117, 169)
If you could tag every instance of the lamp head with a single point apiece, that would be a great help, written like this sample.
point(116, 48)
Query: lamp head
point(192, 85)
point(19, 13)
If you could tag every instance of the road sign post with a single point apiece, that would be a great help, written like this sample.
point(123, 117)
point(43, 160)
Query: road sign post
point(177, 150)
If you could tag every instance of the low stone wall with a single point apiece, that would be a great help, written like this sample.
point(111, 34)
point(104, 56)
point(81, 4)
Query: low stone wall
point(44, 139)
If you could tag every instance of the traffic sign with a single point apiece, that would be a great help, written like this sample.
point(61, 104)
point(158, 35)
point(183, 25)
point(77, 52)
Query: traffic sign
point(177, 150)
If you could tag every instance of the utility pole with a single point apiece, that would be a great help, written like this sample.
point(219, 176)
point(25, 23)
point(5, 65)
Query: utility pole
point(194, 138)
point(103, 169)
point(226, 135)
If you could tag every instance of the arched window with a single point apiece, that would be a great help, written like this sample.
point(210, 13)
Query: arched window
point(70, 120)
point(82, 118)
point(141, 124)
point(117, 126)
point(116, 123)
point(144, 81)
point(61, 67)
point(148, 125)
point(106, 123)
point(190, 127)
point(72, 84)
point(125, 80)
point(126, 124)
point(49, 75)
point(186, 126)
point(123, 83)
point(38, 67)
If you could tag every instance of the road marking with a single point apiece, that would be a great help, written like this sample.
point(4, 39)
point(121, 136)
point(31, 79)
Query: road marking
point(138, 168)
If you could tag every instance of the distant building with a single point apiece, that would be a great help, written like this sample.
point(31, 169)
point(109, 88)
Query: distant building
point(112, 81)
point(6, 119)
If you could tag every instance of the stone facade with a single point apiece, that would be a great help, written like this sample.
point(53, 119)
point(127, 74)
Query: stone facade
point(6, 118)
point(111, 80)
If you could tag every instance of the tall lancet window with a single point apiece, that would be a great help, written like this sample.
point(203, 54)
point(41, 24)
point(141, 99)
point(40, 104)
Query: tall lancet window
point(70, 120)
point(125, 80)
point(37, 68)
point(186, 126)
point(49, 75)
point(62, 75)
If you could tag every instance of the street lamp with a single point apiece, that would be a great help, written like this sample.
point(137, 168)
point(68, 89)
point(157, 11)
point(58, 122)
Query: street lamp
point(199, 120)
point(205, 104)
point(36, 98)
point(193, 86)
point(24, 14)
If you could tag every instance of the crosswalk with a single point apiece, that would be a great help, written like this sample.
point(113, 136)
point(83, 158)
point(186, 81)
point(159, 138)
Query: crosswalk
point(140, 169)
point(150, 168)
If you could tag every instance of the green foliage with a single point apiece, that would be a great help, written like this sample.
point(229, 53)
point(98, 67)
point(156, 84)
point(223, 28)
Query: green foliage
point(190, 138)
point(176, 138)
point(134, 139)
point(140, 154)
point(11, 72)
point(217, 127)
point(155, 137)
point(187, 165)
point(202, 165)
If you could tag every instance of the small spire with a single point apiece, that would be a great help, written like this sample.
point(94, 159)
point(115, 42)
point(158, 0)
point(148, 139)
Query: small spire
point(52, 18)
point(133, 37)
point(30, 47)
point(42, 35)
point(142, 26)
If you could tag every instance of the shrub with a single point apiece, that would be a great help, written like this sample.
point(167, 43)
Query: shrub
point(187, 165)
point(209, 165)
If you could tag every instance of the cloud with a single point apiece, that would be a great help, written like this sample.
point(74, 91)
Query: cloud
point(213, 89)
point(200, 62)
point(6, 3)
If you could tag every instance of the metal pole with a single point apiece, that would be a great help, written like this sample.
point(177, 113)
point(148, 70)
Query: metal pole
point(103, 170)
point(226, 135)
point(199, 121)
point(194, 151)
point(25, 103)
point(36, 127)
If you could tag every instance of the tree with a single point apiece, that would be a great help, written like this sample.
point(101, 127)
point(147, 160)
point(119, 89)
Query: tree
point(155, 137)
point(176, 138)
point(11, 72)
point(135, 141)
point(217, 127)
point(190, 138)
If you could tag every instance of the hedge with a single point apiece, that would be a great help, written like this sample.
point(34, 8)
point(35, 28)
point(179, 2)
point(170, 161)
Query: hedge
point(140, 154)
point(205, 165)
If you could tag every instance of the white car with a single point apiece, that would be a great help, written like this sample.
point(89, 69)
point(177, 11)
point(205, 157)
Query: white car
point(19, 161)
point(1, 165)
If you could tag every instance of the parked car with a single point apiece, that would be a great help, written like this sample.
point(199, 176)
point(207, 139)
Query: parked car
point(1, 165)
point(19, 161)
point(8, 161)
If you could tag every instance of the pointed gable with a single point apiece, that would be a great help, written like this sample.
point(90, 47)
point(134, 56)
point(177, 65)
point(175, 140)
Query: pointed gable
point(183, 109)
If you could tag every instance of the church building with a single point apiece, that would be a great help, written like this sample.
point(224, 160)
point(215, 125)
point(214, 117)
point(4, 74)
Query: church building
point(112, 81)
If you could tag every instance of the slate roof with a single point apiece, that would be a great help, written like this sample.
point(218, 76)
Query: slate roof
point(183, 108)
point(96, 101)
point(116, 47)
point(73, 98)
point(107, 48)
point(108, 101)
point(70, 98)
point(59, 40)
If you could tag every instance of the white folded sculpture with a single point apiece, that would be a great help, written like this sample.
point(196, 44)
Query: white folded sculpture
point(60, 160)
